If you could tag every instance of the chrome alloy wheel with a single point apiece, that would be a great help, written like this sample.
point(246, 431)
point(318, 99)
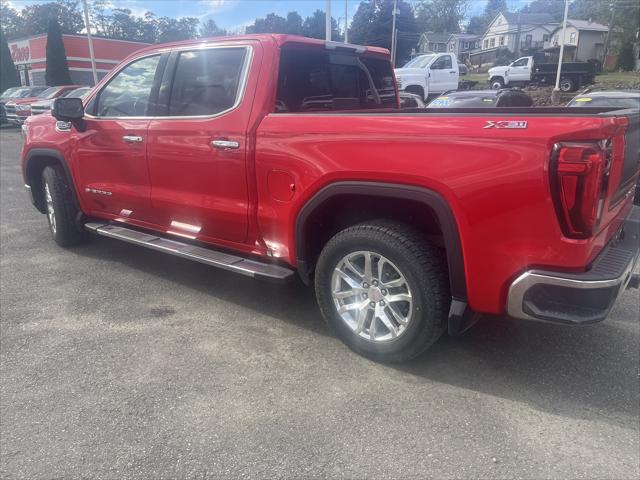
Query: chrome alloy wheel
point(50, 211)
point(372, 296)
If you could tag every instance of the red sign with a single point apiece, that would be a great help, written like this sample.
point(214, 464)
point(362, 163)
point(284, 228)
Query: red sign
point(20, 52)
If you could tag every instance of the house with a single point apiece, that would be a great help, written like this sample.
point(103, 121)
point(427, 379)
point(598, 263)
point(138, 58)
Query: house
point(462, 44)
point(583, 40)
point(433, 42)
point(520, 33)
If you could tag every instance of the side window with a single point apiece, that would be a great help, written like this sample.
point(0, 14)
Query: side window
point(206, 82)
point(128, 93)
point(521, 63)
point(442, 63)
point(311, 80)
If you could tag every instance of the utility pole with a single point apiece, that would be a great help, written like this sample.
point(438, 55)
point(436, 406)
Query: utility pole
point(393, 33)
point(555, 95)
point(346, 22)
point(90, 40)
point(606, 42)
point(327, 21)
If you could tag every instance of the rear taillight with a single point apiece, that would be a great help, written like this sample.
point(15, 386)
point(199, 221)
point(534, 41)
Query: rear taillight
point(579, 183)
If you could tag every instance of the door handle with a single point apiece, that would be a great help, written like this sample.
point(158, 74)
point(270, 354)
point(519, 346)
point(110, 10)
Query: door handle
point(222, 144)
point(452, 71)
point(132, 139)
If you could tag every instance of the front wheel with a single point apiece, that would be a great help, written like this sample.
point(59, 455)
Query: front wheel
point(496, 83)
point(60, 208)
point(383, 288)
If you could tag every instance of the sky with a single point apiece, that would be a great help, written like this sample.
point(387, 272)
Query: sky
point(236, 14)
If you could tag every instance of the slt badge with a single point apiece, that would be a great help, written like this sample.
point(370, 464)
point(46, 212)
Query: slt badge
point(506, 124)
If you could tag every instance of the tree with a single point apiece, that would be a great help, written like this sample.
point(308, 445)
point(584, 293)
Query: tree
point(211, 29)
point(441, 16)
point(272, 23)
point(314, 26)
point(294, 23)
point(476, 26)
point(8, 73)
point(552, 7)
point(626, 57)
point(172, 30)
point(57, 71)
point(36, 17)
point(12, 24)
point(372, 25)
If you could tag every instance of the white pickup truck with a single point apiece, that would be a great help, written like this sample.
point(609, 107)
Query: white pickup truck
point(429, 74)
point(528, 70)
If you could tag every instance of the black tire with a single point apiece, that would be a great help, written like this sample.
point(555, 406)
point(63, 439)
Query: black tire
point(496, 83)
point(416, 90)
point(62, 221)
point(568, 85)
point(422, 265)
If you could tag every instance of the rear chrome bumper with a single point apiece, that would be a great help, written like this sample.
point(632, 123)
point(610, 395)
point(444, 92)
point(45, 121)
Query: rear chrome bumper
point(580, 298)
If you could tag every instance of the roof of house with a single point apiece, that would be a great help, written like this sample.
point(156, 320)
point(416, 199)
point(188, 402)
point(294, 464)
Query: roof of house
point(436, 37)
point(529, 18)
point(465, 36)
point(586, 25)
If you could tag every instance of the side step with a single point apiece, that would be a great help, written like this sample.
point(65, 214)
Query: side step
point(215, 258)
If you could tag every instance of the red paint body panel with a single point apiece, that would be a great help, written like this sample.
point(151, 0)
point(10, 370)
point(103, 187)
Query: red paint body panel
point(496, 181)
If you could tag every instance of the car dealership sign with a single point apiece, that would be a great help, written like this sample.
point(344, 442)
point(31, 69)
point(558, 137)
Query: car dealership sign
point(20, 52)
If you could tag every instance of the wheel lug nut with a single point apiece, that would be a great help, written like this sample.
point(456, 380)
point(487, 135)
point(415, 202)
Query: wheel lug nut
point(365, 285)
point(375, 283)
point(383, 291)
point(372, 304)
point(365, 295)
point(382, 303)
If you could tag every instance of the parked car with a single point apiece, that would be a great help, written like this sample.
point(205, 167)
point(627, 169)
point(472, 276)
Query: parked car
point(407, 224)
point(19, 109)
point(607, 98)
point(482, 99)
point(15, 93)
point(428, 75)
point(525, 71)
point(45, 105)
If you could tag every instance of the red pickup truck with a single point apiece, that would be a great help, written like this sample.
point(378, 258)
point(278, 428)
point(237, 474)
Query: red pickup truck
point(269, 155)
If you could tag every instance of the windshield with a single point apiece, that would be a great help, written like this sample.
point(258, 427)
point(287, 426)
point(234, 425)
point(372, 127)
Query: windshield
point(49, 93)
point(9, 92)
point(419, 62)
point(628, 102)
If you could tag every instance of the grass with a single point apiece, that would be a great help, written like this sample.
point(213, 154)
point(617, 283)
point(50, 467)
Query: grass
point(612, 79)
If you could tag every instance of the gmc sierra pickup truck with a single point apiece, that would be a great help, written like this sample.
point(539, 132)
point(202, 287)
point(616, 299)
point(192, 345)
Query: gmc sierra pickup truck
point(271, 155)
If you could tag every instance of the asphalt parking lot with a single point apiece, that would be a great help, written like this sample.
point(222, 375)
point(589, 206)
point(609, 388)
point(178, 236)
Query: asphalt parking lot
point(118, 362)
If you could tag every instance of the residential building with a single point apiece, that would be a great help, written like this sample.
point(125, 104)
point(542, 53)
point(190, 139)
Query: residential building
point(29, 56)
point(520, 33)
point(462, 44)
point(433, 42)
point(583, 40)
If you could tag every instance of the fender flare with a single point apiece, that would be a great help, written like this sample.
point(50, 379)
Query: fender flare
point(461, 316)
point(56, 154)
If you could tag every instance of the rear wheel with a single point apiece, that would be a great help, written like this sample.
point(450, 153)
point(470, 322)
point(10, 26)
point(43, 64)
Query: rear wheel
point(567, 85)
point(383, 288)
point(60, 209)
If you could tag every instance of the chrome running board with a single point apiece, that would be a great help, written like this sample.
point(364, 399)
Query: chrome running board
point(215, 258)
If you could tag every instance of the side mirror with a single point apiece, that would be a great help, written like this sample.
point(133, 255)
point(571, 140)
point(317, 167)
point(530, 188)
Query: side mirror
point(67, 109)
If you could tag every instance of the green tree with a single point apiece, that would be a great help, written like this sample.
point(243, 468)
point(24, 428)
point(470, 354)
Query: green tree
point(552, 7)
point(441, 16)
point(372, 25)
point(314, 26)
point(626, 57)
point(272, 23)
point(172, 30)
point(476, 26)
point(36, 17)
point(8, 72)
point(12, 24)
point(57, 71)
point(211, 29)
point(294, 23)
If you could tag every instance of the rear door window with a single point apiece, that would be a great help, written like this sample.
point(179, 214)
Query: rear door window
point(318, 80)
point(207, 82)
